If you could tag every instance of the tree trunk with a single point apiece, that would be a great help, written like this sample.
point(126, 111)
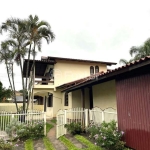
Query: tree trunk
point(8, 76)
point(33, 66)
point(14, 89)
point(24, 92)
point(28, 65)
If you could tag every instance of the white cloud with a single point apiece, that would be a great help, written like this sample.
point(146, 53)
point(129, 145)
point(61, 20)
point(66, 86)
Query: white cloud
point(89, 29)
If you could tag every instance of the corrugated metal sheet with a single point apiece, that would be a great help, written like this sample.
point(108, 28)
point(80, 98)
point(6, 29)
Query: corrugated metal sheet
point(133, 106)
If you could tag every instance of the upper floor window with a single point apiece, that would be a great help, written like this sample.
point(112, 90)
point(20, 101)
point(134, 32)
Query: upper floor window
point(91, 70)
point(96, 69)
point(66, 99)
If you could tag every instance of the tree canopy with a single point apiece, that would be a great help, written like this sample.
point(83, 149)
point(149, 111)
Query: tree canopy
point(25, 39)
point(137, 52)
point(4, 93)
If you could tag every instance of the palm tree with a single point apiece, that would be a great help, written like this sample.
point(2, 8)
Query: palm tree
point(6, 56)
point(27, 35)
point(125, 62)
point(141, 51)
point(36, 31)
point(16, 29)
point(138, 52)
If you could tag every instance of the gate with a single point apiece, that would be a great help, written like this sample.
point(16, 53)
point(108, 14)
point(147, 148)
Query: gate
point(68, 116)
point(61, 121)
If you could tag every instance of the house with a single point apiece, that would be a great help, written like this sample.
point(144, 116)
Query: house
point(127, 89)
point(50, 75)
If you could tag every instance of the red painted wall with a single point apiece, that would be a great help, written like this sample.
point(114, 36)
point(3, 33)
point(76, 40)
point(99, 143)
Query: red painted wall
point(133, 106)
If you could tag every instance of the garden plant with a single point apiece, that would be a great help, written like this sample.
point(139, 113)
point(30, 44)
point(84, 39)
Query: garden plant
point(106, 135)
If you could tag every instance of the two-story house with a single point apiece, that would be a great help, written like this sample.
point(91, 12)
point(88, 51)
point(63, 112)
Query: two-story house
point(51, 75)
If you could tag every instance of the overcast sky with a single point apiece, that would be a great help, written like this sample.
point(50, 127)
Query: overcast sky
point(101, 30)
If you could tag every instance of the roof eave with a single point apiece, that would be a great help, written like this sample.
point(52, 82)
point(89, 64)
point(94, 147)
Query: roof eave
point(108, 76)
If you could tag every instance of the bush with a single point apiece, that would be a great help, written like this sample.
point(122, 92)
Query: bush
point(22, 130)
point(5, 145)
point(107, 136)
point(33, 130)
point(74, 128)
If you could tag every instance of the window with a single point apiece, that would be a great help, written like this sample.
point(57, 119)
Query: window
point(91, 70)
point(96, 69)
point(66, 99)
point(50, 101)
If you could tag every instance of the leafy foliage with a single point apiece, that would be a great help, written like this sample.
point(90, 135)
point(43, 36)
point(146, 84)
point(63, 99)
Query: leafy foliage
point(4, 93)
point(107, 136)
point(74, 128)
point(5, 145)
point(22, 130)
point(138, 52)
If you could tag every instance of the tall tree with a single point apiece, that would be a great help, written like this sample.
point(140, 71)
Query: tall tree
point(6, 56)
point(18, 43)
point(26, 35)
point(36, 31)
point(138, 52)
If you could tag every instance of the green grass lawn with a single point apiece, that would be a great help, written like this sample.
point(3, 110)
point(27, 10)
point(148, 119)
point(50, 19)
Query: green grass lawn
point(29, 144)
point(48, 127)
point(54, 121)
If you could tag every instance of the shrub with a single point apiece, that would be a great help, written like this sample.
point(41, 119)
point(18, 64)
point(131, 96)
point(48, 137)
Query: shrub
point(74, 128)
point(108, 136)
point(93, 130)
point(5, 145)
point(12, 128)
point(34, 129)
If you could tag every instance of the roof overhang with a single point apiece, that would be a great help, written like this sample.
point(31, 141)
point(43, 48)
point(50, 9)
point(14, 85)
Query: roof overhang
point(135, 68)
point(78, 60)
point(40, 66)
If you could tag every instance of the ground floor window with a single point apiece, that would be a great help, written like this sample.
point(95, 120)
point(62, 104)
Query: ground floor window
point(66, 99)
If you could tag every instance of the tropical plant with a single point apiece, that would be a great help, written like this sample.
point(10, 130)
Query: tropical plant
point(137, 52)
point(18, 43)
point(6, 56)
point(36, 31)
point(25, 35)
point(125, 62)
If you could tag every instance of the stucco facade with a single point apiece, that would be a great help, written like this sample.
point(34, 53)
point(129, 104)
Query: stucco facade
point(104, 95)
point(62, 71)
point(65, 71)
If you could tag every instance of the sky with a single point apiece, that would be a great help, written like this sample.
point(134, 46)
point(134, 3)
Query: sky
point(103, 30)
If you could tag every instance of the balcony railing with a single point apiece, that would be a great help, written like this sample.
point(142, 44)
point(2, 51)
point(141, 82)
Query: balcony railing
point(43, 80)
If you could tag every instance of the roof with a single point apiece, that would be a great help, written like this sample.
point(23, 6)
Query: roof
point(105, 76)
point(79, 81)
point(40, 66)
point(79, 60)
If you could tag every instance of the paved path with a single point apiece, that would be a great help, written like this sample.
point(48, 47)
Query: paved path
point(39, 145)
point(52, 137)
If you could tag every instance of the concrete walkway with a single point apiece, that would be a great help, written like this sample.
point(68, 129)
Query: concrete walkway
point(52, 137)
